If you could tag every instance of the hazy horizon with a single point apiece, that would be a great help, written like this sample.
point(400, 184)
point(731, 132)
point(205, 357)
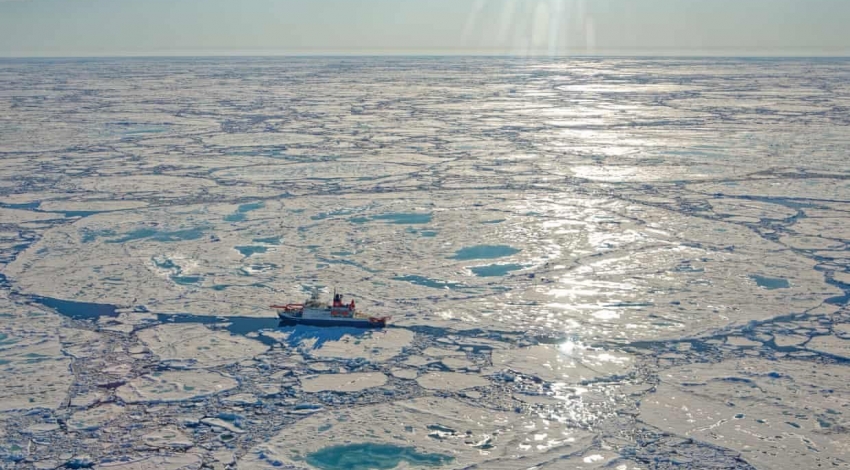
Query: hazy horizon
point(556, 28)
point(437, 54)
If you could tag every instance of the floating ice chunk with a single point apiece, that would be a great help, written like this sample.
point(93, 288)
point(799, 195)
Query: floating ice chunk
point(81, 344)
point(454, 363)
point(119, 370)
point(268, 390)
point(116, 325)
point(94, 418)
point(754, 209)
point(85, 400)
point(320, 367)
point(241, 399)
point(569, 362)
point(407, 374)
point(419, 361)
point(789, 340)
point(41, 428)
point(177, 461)
point(842, 277)
point(374, 346)
point(740, 341)
point(222, 424)
point(168, 437)
point(451, 381)
point(47, 465)
point(810, 242)
point(343, 382)
point(830, 345)
point(442, 352)
point(198, 346)
point(224, 457)
point(175, 386)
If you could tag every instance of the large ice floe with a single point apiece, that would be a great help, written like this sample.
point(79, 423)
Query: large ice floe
point(590, 263)
point(567, 362)
point(343, 382)
point(431, 432)
point(192, 345)
point(34, 372)
point(778, 415)
point(174, 386)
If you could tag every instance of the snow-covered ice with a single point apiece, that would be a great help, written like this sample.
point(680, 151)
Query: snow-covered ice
point(590, 263)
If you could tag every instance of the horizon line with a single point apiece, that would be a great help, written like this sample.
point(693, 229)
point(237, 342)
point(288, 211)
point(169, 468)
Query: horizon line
point(615, 52)
point(432, 54)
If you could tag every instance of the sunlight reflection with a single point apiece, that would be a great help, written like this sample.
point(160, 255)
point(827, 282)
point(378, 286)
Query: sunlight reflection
point(535, 27)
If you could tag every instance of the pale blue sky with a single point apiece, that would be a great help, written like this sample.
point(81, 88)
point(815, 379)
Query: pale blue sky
point(519, 27)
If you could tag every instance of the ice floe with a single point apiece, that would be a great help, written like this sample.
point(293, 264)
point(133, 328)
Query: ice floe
point(34, 371)
point(175, 386)
point(343, 382)
point(466, 435)
point(565, 363)
point(451, 381)
point(743, 405)
point(193, 345)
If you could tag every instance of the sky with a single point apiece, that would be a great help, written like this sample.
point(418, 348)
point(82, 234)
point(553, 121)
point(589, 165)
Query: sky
point(55, 28)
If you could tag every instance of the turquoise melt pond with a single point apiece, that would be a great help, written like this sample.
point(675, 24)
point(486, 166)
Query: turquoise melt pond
point(251, 250)
point(484, 252)
point(239, 215)
point(771, 283)
point(373, 457)
point(495, 270)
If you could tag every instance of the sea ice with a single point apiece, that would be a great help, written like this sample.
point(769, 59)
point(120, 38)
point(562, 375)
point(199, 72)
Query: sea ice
point(450, 381)
point(743, 405)
point(163, 461)
point(167, 438)
point(173, 386)
point(566, 363)
point(94, 418)
point(829, 344)
point(353, 382)
point(196, 346)
point(599, 237)
point(34, 371)
point(471, 435)
point(373, 346)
